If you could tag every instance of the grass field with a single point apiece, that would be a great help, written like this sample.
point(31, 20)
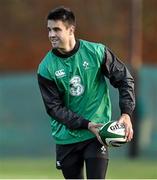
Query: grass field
point(45, 169)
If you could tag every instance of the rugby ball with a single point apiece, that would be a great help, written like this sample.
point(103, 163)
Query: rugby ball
point(113, 134)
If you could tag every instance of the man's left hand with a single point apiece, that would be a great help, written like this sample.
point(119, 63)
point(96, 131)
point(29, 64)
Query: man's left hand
point(94, 128)
point(125, 119)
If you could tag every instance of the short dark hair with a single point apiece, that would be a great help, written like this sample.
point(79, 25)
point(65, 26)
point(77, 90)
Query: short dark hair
point(62, 13)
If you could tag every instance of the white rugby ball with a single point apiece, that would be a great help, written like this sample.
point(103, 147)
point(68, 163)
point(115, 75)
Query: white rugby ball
point(113, 134)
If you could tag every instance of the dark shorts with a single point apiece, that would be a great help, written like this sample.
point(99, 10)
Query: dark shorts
point(83, 150)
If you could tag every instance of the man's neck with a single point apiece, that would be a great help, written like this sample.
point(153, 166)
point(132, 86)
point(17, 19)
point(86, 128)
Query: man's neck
point(66, 54)
point(69, 47)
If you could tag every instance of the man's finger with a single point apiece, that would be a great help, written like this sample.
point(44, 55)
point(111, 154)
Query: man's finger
point(126, 132)
point(98, 125)
point(130, 134)
point(121, 121)
point(99, 139)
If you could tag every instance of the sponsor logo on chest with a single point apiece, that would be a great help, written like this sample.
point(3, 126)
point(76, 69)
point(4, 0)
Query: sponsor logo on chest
point(60, 73)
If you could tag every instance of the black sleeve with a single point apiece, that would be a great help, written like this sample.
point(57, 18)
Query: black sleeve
point(55, 107)
point(120, 78)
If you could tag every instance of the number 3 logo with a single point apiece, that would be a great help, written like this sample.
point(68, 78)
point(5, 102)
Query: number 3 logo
point(76, 88)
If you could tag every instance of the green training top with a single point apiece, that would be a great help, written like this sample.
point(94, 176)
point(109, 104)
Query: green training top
point(84, 87)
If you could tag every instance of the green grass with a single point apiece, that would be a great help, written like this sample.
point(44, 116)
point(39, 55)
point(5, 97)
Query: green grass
point(29, 168)
point(45, 169)
point(132, 169)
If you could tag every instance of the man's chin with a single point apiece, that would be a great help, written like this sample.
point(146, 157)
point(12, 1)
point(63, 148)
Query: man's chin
point(55, 46)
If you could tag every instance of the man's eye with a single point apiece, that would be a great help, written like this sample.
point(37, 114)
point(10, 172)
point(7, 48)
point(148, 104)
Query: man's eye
point(57, 29)
point(48, 29)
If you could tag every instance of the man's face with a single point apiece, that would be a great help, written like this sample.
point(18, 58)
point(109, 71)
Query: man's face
point(59, 33)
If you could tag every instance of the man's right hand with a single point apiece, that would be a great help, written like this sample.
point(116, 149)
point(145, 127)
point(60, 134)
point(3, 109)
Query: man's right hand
point(94, 128)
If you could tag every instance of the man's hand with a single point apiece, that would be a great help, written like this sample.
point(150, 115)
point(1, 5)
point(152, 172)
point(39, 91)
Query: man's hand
point(125, 119)
point(94, 128)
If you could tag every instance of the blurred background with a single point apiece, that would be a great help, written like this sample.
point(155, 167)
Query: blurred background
point(128, 28)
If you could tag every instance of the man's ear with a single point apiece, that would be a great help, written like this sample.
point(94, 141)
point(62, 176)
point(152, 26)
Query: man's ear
point(72, 30)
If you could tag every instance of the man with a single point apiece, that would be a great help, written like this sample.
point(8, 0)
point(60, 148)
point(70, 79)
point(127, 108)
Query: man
point(75, 94)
